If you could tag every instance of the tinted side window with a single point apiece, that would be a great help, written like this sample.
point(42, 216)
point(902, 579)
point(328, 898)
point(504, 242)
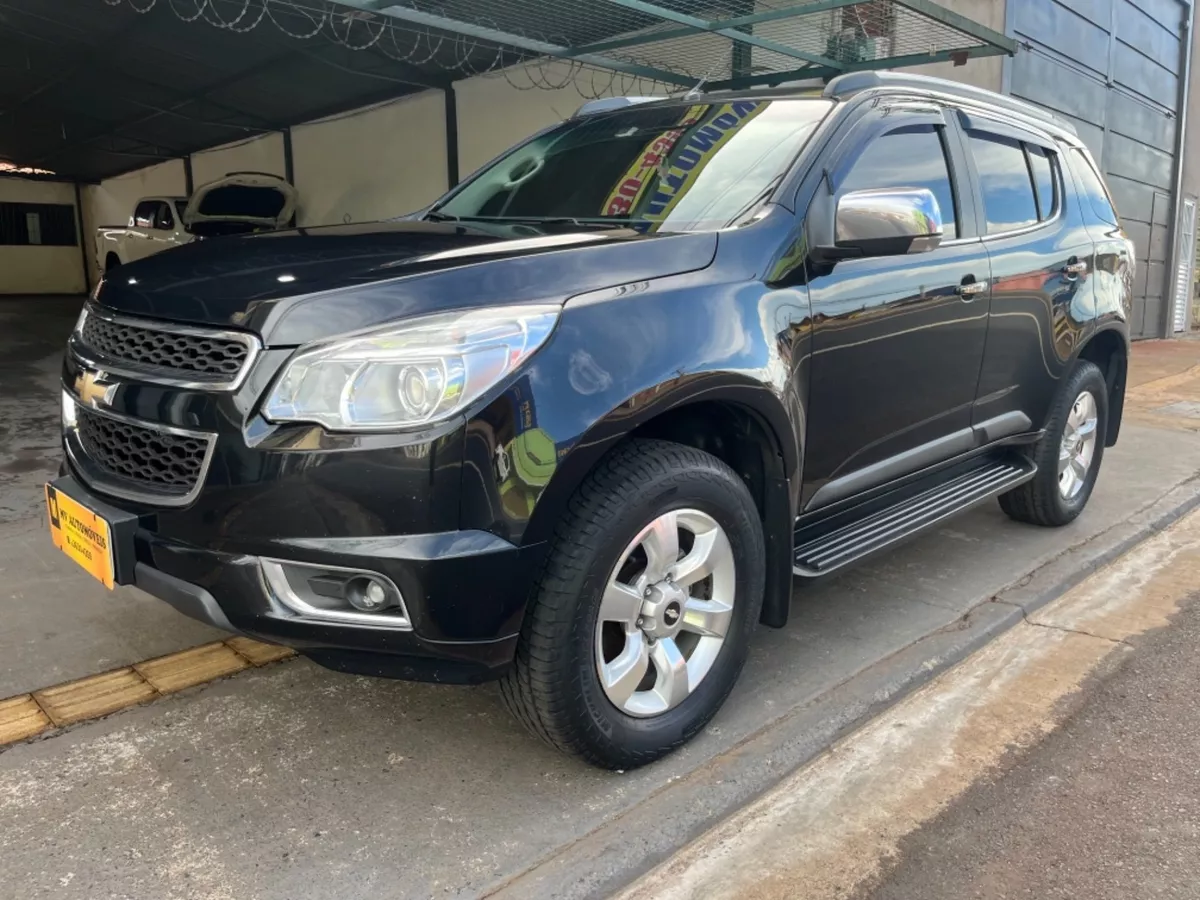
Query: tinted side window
point(909, 157)
point(1093, 187)
point(1041, 162)
point(164, 219)
point(1008, 199)
point(143, 215)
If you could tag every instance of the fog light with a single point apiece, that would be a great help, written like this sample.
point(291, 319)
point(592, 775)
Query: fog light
point(335, 594)
point(367, 594)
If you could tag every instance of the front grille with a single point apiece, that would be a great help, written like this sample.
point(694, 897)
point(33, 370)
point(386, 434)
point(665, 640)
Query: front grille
point(167, 463)
point(166, 353)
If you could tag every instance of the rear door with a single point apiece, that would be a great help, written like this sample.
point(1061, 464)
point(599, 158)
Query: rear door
point(898, 340)
point(1042, 263)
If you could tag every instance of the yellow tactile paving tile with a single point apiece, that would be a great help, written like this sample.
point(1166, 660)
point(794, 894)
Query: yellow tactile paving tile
point(191, 667)
point(90, 698)
point(21, 718)
point(27, 715)
point(258, 653)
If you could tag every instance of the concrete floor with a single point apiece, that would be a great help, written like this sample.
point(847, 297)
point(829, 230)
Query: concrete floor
point(33, 332)
point(296, 782)
point(58, 622)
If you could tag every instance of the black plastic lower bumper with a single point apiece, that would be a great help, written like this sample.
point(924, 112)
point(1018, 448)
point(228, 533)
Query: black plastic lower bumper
point(464, 593)
point(192, 601)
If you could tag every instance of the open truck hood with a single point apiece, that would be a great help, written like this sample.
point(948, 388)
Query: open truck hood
point(253, 199)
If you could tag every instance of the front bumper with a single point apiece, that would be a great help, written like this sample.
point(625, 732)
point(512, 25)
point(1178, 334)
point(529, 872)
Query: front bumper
point(464, 593)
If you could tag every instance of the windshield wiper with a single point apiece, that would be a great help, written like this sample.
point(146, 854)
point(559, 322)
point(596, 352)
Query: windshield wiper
point(757, 199)
point(605, 222)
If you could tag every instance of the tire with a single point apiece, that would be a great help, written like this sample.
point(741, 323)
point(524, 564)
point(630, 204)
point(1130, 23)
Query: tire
point(1042, 500)
point(555, 687)
point(112, 262)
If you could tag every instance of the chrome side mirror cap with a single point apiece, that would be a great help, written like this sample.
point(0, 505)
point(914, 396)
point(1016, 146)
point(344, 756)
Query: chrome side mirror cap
point(886, 222)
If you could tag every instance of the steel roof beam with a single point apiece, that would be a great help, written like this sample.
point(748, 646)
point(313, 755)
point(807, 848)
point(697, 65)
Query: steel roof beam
point(722, 29)
point(774, 79)
point(789, 12)
point(771, 15)
point(520, 41)
point(634, 40)
point(924, 59)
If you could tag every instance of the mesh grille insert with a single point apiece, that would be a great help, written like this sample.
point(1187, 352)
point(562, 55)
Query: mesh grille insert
point(171, 463)
point(206, 358)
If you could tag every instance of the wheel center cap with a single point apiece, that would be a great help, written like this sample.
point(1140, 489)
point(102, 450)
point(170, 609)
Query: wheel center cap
point(662, 611)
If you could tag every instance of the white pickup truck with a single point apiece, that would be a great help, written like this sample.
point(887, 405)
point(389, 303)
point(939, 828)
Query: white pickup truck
point(238, 203)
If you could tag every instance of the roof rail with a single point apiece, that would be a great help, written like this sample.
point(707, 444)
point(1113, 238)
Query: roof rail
point(853, 82)
point(604, 104)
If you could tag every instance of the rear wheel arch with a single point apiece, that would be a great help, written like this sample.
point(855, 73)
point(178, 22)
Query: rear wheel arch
point(1109, 350)
point(111, 261)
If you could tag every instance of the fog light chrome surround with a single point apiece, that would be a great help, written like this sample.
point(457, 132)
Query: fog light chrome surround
point(289, 583)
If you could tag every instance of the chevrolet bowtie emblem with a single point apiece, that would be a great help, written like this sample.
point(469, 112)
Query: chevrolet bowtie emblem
point(92, 390)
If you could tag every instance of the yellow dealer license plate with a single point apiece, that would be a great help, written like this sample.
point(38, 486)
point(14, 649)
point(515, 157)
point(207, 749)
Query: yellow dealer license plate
point(81, 534)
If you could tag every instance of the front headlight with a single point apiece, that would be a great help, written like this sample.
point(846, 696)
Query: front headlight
point(417, 373)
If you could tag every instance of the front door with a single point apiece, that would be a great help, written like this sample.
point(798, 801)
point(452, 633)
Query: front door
point(897, 341)
point(140, 241)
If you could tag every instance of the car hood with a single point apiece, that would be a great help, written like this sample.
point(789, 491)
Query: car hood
point(305, 284)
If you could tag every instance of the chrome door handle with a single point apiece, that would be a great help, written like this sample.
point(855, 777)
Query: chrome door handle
point(972, 289)
point(1075, 268)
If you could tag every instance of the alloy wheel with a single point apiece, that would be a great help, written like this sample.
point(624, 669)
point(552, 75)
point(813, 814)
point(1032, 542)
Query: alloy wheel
point(665, 614)
point(1078, 445)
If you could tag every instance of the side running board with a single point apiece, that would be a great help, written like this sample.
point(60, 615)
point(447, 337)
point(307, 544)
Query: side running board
point(831, 551)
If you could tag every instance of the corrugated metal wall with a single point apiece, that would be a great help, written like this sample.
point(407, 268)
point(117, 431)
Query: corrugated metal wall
point(1113, 67)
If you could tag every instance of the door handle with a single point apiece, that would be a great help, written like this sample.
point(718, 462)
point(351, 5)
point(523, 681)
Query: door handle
point(1075, 269)
point(972, 289)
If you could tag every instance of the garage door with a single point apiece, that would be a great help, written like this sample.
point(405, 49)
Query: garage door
point(1113, 68)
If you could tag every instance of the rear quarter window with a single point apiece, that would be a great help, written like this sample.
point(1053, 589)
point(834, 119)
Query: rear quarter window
point(1041, 164)
point(1093, 187)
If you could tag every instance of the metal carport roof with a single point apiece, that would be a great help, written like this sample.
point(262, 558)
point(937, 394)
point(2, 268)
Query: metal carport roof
point(94, 88)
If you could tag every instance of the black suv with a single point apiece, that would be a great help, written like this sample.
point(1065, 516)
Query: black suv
point(579, 424)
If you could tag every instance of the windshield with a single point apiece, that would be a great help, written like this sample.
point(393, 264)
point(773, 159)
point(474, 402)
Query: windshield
point(668, 167)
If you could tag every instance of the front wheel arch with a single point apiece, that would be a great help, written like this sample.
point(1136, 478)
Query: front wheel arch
point(741, 423)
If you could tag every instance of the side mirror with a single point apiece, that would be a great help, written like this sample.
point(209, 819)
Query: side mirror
point(885, 222)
